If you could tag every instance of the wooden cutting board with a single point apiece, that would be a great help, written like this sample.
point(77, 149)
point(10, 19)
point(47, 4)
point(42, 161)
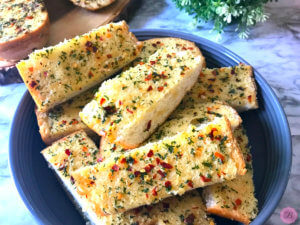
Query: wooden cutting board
point(68, 20)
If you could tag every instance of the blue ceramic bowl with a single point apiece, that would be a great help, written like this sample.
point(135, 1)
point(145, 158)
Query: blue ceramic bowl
point(267, 128)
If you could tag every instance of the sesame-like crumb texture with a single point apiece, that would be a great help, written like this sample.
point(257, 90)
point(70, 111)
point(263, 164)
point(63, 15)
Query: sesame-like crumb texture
point(77, 151)
point(234, 85)
point(235, 199)
point(72, 152)
point(58, 73)
point(128, 108)
point(92, 4)
point(64, 119)
point(200, 156)
point(180, 210)
point(19, 17)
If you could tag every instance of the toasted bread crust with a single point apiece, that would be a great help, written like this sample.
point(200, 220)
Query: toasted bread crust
point(230, 214)
point(19, 47)
point(236, 154)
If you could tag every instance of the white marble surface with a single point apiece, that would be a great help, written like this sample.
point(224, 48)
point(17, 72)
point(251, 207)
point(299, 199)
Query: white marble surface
point(273, 49)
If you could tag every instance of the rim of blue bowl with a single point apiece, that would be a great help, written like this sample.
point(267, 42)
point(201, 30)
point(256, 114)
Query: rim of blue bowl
point(263, 215)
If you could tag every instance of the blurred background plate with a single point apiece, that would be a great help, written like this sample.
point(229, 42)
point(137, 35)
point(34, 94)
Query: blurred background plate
point(267, 128)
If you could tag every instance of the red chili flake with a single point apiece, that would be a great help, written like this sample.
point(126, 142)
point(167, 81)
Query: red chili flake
point(92, 182)
point(238, 202)
point(214, 72)
point(72, 180)
point(32, 84)
point(100, 159)
point(190, 219)
point(150, 88)
point(190, 183)
point(154, 192)
point(120, 102)
point(165, 84)
point(166, 165)
point(136, 173)
point(123, 160)
point(154, 45)
point(163, 75)
point(128, 110)
point(102, 101)
point(190, 48)
point(152, 62)
point(115, 167)
point(154, 176)
point(148, 168)
point(45, 73)
point(248, 158)
point(88, 44)
point(129, 168)
point(211, 134)
point(90, 74)
point(157, 160)
point(64, 122)
point(109, 56)
point(184, 48)
point(148, 125)
point(168, 184)
point(160, 88)
point(148, 77)
point(169, 56)
point(67, 151)
point(110, 109)
point(74, 121)
point(29, 17)
point(249, 98)
point(150, 153)
point(147, 196)
point(220, 156)
point(205, 179)
point(162, 174)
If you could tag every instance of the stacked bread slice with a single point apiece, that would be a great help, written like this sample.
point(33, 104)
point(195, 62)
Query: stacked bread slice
point(55, 74)
point(167, 128)
point(77, 150)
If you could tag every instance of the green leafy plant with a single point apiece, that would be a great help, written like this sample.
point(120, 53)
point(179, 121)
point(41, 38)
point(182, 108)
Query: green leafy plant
point(245, 13)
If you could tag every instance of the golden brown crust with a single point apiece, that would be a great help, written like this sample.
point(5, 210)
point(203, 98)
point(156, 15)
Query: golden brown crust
point(236, 154)
point(230, 214)
point(19, 48)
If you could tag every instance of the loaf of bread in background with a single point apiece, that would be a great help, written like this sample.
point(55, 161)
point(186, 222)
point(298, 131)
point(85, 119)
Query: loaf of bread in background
point(235, 199)
point(77, 151)
point(178, 121)
point(56, 74)
point(200, 156)
point(24, 27)
point(129, 107)
point(64, 119)
point(234, 85)
point(92, 4)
